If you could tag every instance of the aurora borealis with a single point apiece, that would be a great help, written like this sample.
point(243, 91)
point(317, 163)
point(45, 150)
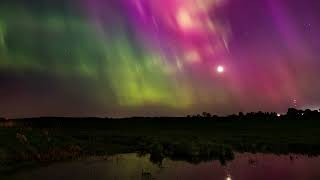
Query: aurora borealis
point(142, 57)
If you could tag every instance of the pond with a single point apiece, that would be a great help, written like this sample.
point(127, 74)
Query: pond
point(132, 166)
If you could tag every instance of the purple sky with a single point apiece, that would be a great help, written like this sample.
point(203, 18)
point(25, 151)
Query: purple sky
point(140, 57)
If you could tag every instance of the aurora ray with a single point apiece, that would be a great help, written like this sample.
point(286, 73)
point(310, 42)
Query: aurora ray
point(131, 55)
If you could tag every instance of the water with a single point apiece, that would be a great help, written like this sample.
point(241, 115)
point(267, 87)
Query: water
point(130, 167)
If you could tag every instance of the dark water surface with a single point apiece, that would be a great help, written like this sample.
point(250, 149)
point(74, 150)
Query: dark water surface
point(131, 166)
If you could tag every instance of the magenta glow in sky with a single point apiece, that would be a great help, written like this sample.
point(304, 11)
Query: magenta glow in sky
point(168, 57)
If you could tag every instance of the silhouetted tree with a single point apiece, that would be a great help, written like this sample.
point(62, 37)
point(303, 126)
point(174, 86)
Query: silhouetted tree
point(206, 115)
point(307, 114)
point(293, 114)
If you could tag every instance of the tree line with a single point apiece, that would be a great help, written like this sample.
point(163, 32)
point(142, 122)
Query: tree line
point(292, 114)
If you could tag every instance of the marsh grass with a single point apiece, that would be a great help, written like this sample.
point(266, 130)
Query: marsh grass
point(192, 141)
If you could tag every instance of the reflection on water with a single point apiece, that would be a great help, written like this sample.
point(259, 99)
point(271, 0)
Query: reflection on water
point(130, 166)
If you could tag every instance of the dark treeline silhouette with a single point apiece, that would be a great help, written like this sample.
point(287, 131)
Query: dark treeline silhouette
point(291, 115)
point(240, 116)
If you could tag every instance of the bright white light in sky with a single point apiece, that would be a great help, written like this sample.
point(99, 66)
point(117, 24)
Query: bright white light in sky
point(220, 69)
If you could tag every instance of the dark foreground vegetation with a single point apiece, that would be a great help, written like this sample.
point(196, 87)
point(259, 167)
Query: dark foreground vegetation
point(33, 141)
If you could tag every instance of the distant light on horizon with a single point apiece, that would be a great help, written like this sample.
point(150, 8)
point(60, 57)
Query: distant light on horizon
point(228, 177)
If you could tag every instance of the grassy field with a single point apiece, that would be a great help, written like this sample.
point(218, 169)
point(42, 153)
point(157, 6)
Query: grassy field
point(189, 140)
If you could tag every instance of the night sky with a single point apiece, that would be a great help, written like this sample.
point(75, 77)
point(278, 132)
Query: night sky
point(157, 58)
